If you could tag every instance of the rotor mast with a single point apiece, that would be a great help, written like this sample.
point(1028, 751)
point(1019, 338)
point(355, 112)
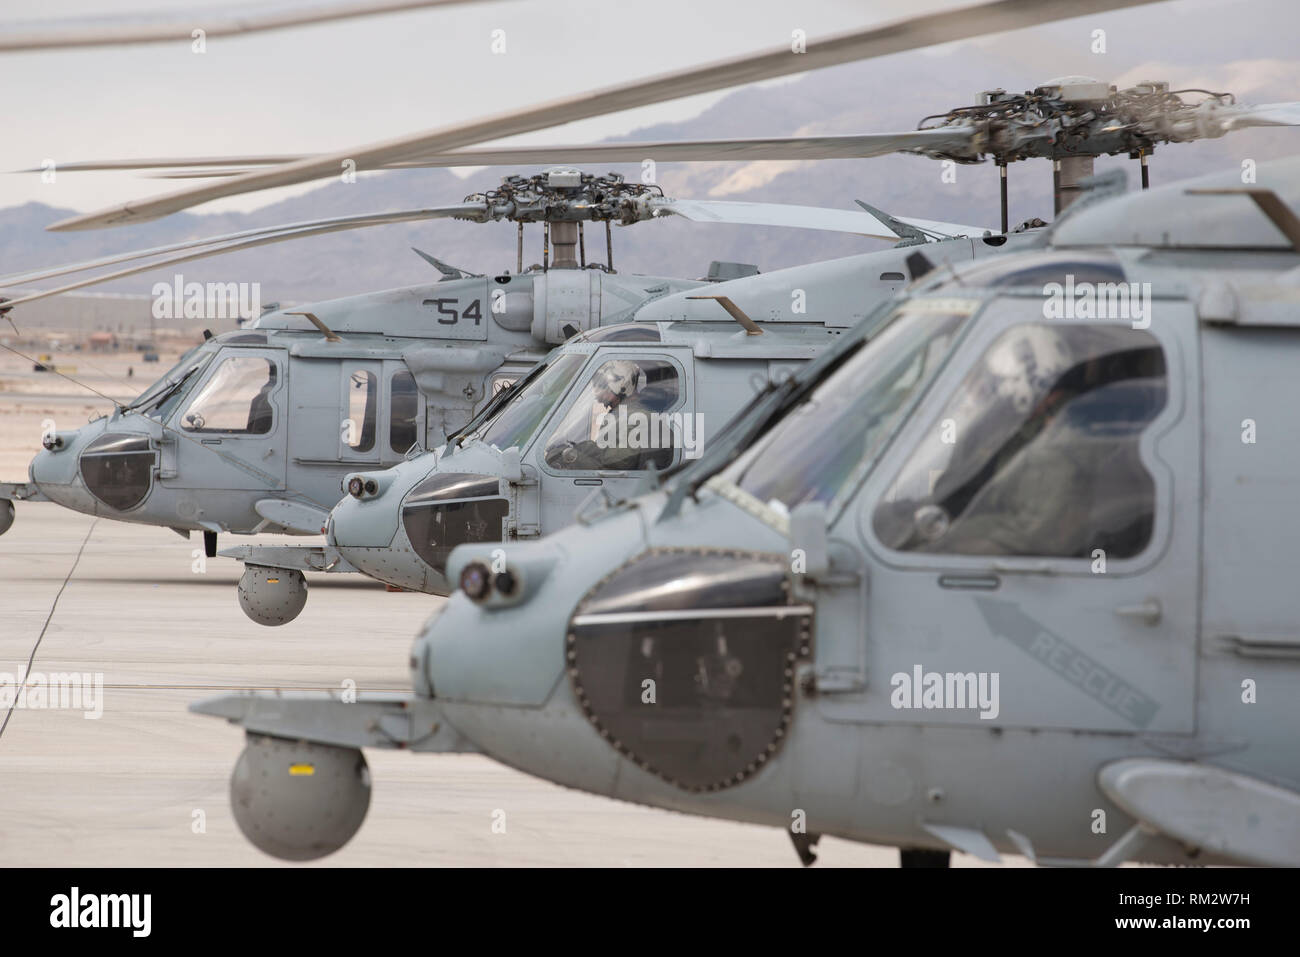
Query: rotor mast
point(1068, 174)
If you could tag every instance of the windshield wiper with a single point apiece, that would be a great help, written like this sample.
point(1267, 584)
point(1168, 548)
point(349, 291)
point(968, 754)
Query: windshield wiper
point(494, 405)
point(163, 395)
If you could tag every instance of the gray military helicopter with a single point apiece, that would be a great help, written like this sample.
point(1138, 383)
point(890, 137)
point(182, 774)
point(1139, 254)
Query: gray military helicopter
point(593, 420)
point(365, 378)
point(498, 478)
point(1070, 120)
point(1003, 571)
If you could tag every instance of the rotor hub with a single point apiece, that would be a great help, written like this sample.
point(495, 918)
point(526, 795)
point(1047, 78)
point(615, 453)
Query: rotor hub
point(1079, 116)
point(563, 194)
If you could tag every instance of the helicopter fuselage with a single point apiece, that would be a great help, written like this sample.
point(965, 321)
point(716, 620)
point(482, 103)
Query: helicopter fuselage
point(399, 524)
point(255, 429)
point(997, 580)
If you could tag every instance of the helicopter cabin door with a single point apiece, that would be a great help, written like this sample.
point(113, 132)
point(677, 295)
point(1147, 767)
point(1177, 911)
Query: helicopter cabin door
point(626, 413)
point(381, 414)
point(405, 408)
point(362, 432)
point(1034, 536)
point(233, 430)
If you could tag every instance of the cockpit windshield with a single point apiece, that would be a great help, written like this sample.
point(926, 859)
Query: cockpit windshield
point(516, 421)
point(828, 442)
point(159, 399)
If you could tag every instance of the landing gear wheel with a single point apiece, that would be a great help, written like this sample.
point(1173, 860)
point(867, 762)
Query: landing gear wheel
point(6, 515)
point(272, 596)
point(923, 857)
point(297, 800)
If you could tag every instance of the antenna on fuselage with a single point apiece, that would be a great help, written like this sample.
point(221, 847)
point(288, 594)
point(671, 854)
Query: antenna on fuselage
point(330, 335)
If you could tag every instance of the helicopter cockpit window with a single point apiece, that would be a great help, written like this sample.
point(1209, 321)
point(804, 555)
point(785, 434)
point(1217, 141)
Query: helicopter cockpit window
point(403, 412)
point(161, 398)
point(618, 422)
point(1037, 452)
point(237, 399)
point(828, 442)
point(516, 421)
point(363, 409)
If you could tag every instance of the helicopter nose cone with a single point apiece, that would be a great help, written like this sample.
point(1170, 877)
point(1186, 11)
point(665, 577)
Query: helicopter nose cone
point(48, 473)
point(59, 471)
point(94, 470)
point(403, 531)
point(364, 522)
point(56, 464)
point(714, 638)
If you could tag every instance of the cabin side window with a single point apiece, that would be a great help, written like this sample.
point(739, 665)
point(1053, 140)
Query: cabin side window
point(403, 412)
point(363, 409)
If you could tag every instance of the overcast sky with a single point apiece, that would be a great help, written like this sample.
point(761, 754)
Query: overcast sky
point(336, 85)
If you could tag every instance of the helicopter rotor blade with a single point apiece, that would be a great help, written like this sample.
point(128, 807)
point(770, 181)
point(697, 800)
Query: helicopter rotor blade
point(856, 146)
point(800, 217)
point(1266, 114)
point(705, 211)
point(850, 146)
point(992, 16)
point(316, 225)
point(954, 138)
point(258, 159)
point(252, 239)
point(204, 173)
point(154, 27)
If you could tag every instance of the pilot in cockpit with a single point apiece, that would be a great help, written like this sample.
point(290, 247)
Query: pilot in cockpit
point(261, 412)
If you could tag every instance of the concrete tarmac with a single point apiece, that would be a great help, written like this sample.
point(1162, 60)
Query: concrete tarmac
point(164, 627)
